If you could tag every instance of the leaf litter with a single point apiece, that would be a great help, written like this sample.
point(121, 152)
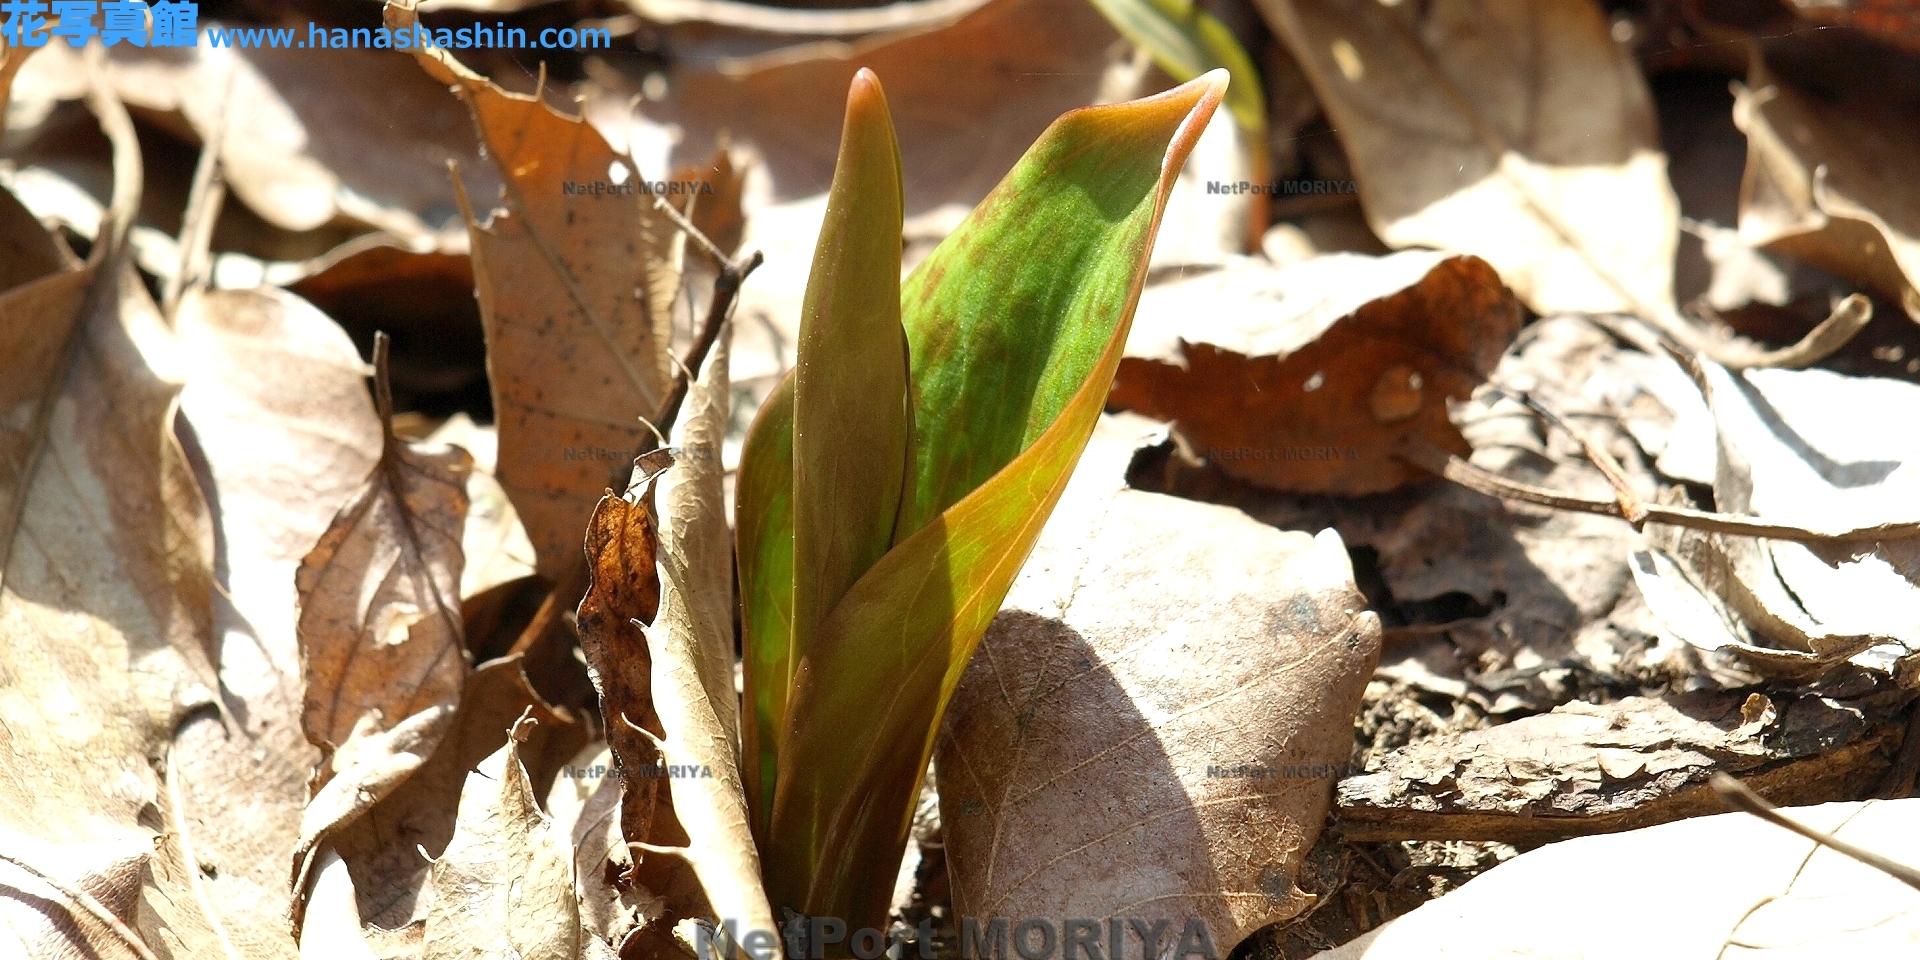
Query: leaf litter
point(1614, 544)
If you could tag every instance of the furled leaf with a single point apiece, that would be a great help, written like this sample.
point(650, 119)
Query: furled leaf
point(381, 647)
point(1832, 182)
point(1517, 131)
point(504, 886)
point(1311, 377)
point(1015, 325)
point(1710, 888)
point(1206, 716)
point(851, 427)
point(764, 542)
point(575, 355)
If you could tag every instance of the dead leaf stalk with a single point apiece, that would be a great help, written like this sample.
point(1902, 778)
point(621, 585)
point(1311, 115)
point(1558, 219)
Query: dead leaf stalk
point(1738, 796)
point(1479, 480)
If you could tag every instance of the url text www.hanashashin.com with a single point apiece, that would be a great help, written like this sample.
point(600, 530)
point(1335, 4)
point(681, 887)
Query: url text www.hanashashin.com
point(175, 23)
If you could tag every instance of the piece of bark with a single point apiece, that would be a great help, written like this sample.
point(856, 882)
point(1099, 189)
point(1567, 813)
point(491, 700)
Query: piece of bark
point(1585, 769)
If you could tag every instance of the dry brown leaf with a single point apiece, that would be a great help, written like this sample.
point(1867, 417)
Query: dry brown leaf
point(1518, 131)
point(1133, 746)
point(688, 658)
point(284, 433)
point(380, 632)
point(11, 60)
point(1311, 377)
point(301, 148)
point(1587, 768)
point(576, 293)
point(504, 885)
point(622, 544)
point(383, 848)
point(1890, 21)
point(1832, 182)
point(494, 541)
point(1728, 887)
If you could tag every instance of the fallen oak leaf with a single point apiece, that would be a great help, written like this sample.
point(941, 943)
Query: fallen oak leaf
point(381, 649)
point(1309, 378)
point(1186, 709)
point(575, 354)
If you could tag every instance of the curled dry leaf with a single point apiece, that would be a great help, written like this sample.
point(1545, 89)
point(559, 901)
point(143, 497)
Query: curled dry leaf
point(383, 848)
point(1517, 131)
point(1710, 888)
point(381, 647)
point(1311, 377)
point(494, 540)
point(1793, 448)
point(1130, 746)
point(686, 654)
point(576, 294)
point(505, 882)
point(1832, 183)
point(1587, 768)
point(278, 415)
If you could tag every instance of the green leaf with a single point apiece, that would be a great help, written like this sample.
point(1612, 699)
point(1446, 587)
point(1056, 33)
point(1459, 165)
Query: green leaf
point(1016, 324)
point(763, 541)
point(850, 427)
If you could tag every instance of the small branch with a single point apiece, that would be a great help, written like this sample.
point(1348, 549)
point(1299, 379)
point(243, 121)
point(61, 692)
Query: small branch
point(93, 907)
point(726, 287)
point(1736, 795)
point(1479, 480)
point(680, 220)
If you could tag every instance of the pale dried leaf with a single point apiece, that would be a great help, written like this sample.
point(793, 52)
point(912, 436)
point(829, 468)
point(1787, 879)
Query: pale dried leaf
point(691, 640)
point(505, 883)
point(1204, 712)
point(388, 849)
point(1728, 887)
point(284, 432)
point(301, 148)
point(494, 541)
point(1832, 183)
point(1518, 131)
point(1792, 448)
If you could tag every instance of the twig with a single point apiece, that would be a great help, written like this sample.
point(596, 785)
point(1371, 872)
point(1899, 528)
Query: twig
point(1479, 480)
point(726, 287)
point(204, 199)
point(88, 903)
point(1631, 509)
point(1736, 795)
